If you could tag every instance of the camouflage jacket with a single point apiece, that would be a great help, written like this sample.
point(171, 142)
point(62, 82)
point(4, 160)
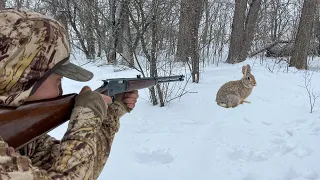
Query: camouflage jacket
point(81, 153)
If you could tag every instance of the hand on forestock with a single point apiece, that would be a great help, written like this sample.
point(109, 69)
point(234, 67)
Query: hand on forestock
point(107, 99)
point(128, 98)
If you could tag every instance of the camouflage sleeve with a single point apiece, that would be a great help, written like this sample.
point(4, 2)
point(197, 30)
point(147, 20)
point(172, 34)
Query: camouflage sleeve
point(78, 156)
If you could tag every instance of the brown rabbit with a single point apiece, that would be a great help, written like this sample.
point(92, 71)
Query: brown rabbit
point(233, 93)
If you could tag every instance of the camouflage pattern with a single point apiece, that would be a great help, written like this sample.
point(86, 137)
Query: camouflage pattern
point(32, 46)
point(81, 153)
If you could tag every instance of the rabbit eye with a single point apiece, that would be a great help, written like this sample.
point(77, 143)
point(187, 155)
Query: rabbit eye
point(248, 78)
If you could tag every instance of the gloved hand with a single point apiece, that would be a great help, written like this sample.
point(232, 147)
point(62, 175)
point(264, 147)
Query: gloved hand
point(107, 99)
point(97, 102)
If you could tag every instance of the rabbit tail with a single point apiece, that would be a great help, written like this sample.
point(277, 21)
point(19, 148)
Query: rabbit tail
point(230, 101)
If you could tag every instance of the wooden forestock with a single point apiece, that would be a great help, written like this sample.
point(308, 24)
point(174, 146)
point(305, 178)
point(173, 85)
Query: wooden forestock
point(19, 126)
point(135, 85)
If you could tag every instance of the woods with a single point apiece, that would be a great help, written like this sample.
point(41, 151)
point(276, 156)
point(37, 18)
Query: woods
point(155, 37)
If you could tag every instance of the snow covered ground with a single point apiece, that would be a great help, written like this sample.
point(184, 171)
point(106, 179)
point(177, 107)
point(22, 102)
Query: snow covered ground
point(273, 138)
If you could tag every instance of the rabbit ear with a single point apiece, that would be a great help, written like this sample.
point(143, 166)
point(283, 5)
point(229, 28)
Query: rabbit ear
point(244, 69)
point(248, 68)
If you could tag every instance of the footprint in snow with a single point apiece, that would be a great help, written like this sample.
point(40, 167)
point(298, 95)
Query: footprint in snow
point(283, 147)
point(282, 134)
point(247, 120)
point(315, 131)
point(302, 152)
point(267, 123)
point(158, 156)
point(292, 174)
point(297, 122)
point(250, 177)
point(247, 155)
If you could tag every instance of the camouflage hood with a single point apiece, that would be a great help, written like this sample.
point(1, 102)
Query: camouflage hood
point(32, 46)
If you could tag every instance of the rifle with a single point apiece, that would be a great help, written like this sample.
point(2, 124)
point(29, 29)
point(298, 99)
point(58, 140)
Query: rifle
point(22, 125)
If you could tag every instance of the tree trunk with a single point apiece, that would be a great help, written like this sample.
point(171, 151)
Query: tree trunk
point(303, 37)
point(89, 31)
point(100, 37)
point(124, 35)
point(250, 25)
point(187, 47)
point(154, 44)
point(317, 28)
point(243, 29)
point(237, 30)
point(19, 3)
point(183, 46)
point(112, 54)
point(274, 17)
point(195, 22)
point(2, 4)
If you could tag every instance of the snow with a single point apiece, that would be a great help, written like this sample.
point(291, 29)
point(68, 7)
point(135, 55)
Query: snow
point(275, 137)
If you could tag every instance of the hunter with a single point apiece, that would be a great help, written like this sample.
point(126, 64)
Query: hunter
point(34, 56)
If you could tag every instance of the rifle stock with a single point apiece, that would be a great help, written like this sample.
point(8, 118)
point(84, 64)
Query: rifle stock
point(19, 126)
point(22, 125)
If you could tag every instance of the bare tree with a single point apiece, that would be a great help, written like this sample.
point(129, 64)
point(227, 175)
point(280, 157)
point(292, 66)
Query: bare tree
point(187, 47)
point(243, 28)
point(317, 28)
point(154, 44)
point(19, 3)
point(2, 4)
point(88, 28)
point(195, 22)
point(113, 41)
point(214, 31)
point(304, 34)
point(312, 95)
point(276, 26)
point(124, 35)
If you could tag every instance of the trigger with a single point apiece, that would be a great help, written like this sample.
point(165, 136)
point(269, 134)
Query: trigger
point(112, 100)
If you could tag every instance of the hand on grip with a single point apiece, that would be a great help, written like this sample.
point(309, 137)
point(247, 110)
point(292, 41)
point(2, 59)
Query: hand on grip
point(128, 98)
point(107, 99)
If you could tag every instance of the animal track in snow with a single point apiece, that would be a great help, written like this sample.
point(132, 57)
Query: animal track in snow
point(281, 134)
point(283, 147)
point(267, 123)
point(315, 131)
point(302, 152)
point(292, 174)
point(247, 155)
point(158, 156)
point(249, 177)
point(247, 120)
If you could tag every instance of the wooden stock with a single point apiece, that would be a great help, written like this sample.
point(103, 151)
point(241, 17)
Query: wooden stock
point(19, 126)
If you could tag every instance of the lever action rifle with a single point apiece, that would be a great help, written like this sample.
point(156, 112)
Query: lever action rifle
point(22, 125)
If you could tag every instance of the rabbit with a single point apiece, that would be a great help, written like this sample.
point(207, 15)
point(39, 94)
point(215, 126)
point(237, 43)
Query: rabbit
point(233, 93)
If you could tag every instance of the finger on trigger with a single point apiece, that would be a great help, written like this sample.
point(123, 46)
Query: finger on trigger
point(107, 99)
point(130, 100)
point(132, 95)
